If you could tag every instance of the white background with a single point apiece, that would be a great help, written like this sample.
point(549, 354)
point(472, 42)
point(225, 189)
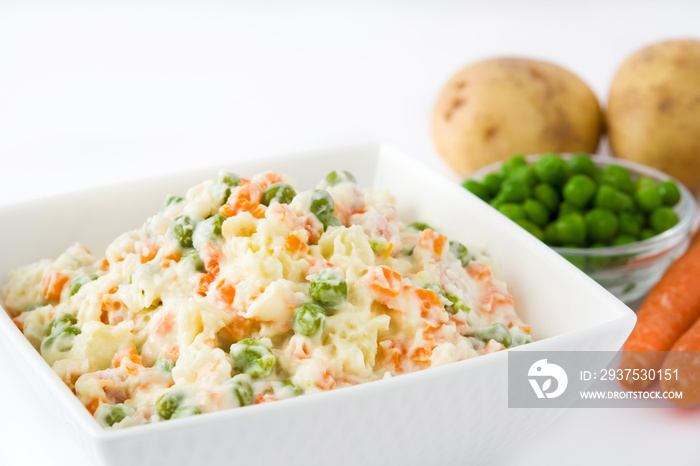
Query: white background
point(92, 93)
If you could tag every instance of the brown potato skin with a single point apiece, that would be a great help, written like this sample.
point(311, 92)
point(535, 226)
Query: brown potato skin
point(493, 109)
point(654, 109)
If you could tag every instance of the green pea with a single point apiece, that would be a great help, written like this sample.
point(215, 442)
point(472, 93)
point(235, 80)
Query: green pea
point(183, 229)
point(524, 173)
point(328, 287)
point(536, 212)
point(242, 389)
point(61, 340)
point(512, 211)
point(322, 206)
point(224, 184)
point(186, 411)
point(420, 226)
point(457, 305)
point(492, 183)
point(378, 245)
point(170, 200)
point(547, 195)
point(579, 190)
point(168, 403)
point(193, 260)
point(628, 225)
point(532, 228)
point(460, 252)
point(662, 218)
point(297, 390)
point(621, 240)
point(60, 322)
point(209, 229)
point(497, 201)
point(164, 364)
point(607, 198)
point(550, 234)
point(308, 319)
point(109, 415)
point(253, 358)
point(514, 190)
point(278, 192)
point(32, 307)
point(646, 233)
point(618, 177)
point(333, 222)
point(512, 163)
point(601, 224)
point(670, 193)
point(521, 338)
point(552, 169)
point(566, 208)
point(626, 202)
point(497, 331)
point(571, 229)
point(643, 182)
point(476, 188)
point(79, 281)
point(581, 164)
point(647, 198)
point(339, 176)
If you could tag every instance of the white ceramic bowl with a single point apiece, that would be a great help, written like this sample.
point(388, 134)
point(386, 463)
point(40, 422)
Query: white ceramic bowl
point(454, 414)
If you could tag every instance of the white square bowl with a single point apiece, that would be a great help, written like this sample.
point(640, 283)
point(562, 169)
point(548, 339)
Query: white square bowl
point(454, 414)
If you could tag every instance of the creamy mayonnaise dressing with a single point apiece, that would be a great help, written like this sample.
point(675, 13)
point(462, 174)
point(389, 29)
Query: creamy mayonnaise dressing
point(246, 292)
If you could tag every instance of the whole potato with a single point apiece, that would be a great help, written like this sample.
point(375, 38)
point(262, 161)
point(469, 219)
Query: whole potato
point(496, 108)
point(654, 109)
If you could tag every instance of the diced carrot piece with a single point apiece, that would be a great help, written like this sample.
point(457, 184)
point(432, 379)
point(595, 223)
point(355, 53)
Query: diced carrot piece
point(478, 271)
point(244, 198)
point(384, 280)
point(432, 241)
point(92, 405)
point(393, 354)
point(225, 292)
point(52, 284)
point(264, 398)
point(266, 179)
point(147, 250)
point(203, 283)
point(294, 243)
point(171, 352)
point(125, 355)
point(326, 381)
point(237, 328)
point(165, 324)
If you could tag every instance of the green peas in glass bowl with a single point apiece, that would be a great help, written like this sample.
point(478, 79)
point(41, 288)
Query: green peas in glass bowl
point(620, 222)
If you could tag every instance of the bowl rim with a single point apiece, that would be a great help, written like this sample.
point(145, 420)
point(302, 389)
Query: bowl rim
point(687, 222)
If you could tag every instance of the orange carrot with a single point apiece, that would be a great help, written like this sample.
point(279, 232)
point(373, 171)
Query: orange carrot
point(670, 308)
point(294, 243)
point(52, 285)
point(432, 241)
point(383, 280)
point(171, 352)
point(129, 358)
point(225, 292)
point(682, 364)
point(165, 324)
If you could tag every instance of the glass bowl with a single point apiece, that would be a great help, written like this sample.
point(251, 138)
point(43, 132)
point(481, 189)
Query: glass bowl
point(628, 271)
